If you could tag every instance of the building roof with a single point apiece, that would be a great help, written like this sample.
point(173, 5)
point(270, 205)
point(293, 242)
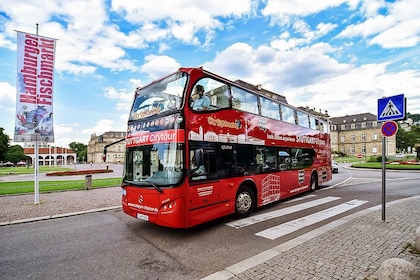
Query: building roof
point(43, 151)
point(258, 88)
point(358, 118)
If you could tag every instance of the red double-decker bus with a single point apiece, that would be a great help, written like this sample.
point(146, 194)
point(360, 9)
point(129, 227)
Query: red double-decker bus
point(200, 147)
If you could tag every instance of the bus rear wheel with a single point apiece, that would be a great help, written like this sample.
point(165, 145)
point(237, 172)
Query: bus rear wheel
point(314, 182)
point(245, 202)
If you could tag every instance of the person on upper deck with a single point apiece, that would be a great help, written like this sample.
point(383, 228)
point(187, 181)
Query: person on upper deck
point(201, 102)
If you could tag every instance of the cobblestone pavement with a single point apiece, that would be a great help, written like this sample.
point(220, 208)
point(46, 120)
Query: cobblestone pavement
point(353, 248)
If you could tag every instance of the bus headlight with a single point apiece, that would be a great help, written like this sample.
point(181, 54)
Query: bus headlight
point(169, 207)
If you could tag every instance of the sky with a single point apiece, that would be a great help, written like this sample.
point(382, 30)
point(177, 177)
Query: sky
point(335, 55)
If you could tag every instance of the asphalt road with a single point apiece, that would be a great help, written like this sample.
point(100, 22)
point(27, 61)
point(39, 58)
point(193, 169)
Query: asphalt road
point(111, 244)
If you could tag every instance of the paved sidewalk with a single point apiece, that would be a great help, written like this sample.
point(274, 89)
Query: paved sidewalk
point(350, 248)
point(21, 208)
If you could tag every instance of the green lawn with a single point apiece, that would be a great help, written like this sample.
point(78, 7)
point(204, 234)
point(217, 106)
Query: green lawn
point(7, 188)
point(24, 170)
point(378, 165)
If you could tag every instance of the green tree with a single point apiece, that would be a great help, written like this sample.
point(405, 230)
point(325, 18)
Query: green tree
point(4, 144)
point(15, 153)
point(408, 138)
point(80, 149)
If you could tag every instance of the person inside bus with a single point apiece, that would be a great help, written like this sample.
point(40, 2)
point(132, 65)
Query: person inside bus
point(197, 169)
point(201, 102)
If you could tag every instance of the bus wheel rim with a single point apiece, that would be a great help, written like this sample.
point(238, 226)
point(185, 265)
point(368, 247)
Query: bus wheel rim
point(243, 202)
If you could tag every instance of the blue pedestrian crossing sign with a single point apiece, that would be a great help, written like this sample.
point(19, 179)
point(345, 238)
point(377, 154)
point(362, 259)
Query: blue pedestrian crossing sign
point(391, 108)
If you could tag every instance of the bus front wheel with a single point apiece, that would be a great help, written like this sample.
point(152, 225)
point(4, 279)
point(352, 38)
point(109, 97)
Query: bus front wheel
point(245, 202)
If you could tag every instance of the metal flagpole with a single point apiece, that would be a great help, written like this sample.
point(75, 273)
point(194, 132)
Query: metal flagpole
point(36, 181)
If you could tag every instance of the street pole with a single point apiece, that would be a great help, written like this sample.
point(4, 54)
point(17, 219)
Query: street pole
point(383, 177)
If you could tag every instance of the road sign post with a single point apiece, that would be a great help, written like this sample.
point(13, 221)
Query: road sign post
point(383, 177)
point(389, 109)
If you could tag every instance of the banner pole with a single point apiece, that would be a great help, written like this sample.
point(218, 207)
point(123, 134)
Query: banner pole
point(36, 165)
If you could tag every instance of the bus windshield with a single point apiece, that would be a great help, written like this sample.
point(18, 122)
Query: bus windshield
point(157, 165)
point(158, 97)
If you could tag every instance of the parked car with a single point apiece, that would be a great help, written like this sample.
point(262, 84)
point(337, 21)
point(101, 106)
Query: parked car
point(6, 164)
point(334, 166)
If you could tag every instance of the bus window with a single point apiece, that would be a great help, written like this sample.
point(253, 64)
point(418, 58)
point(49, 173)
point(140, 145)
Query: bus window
point(203, 162)
point(269, 108)
point(216, 93)
point(312, 123)
point(246, 158)
point(287, 114)
point(267, 159)
point(308, 156)
point(284, 160)
point(321, 126)
point(303, 119)
point(244, 100)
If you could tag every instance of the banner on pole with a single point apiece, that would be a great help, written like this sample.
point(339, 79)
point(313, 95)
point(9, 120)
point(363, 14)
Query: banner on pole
point(34, 88)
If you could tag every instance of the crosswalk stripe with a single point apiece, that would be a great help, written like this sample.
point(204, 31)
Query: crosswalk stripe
point(291, 226)
point(280, 212)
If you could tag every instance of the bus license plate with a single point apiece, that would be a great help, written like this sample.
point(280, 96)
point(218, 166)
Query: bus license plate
point(142, 217)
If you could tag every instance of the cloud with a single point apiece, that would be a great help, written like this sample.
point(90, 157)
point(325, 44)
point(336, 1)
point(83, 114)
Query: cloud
point(181, 19)
point(281, 12)
point(158, 66)
point(309, 76)
point(7, 97)
point(101, 126)
point(398, 28)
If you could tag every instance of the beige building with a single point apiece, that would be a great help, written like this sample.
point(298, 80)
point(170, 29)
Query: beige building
point(50, 156)
point(115, 153)
point(360, 134)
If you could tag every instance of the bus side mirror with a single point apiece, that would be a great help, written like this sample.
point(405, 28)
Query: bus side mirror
point(104, 156)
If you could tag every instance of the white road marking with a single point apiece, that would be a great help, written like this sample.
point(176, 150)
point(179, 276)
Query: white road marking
point(280, 212)
point(289, 227)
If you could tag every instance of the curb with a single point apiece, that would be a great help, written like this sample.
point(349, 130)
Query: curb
point(57, 216)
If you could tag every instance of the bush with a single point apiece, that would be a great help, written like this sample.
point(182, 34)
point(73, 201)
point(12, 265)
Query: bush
point(379, 159)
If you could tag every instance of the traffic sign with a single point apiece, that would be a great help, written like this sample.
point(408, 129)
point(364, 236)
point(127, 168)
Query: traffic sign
point(389, 128)
point(359, 156)
point(391, 108)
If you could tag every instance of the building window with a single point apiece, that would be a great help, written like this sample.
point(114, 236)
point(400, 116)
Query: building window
point(374, 136)
point(353, 126)
point(363, 149)
point(363, 125)
point(343, 127)
point(343, 139)
point(343, 150)
point(374, 149)
point(352, 149)
point(363, 137)
point(353, 138)
point(374, 124)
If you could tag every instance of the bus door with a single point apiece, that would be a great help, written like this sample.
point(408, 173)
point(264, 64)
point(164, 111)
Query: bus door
point(293, 163)
point(138, 165)
point(204, 187)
